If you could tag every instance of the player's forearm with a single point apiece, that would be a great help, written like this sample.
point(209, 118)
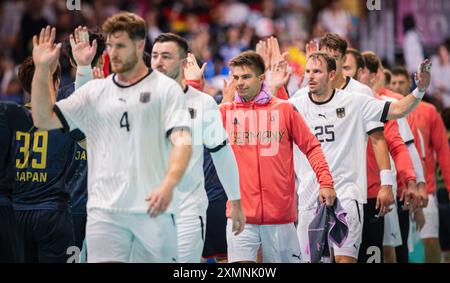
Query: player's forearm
point(417, 163)
point(403, 107)
point(227, 171)
point(179, 158)
point(380, 150)
point(42, 97)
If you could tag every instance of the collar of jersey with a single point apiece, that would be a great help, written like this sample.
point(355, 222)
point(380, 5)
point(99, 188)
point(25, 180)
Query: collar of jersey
point(135, 83)
point(263, 98)
point(322, 102)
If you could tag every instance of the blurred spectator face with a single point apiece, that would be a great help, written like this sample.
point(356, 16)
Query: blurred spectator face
point(317, 75)
point(123, 51)
point(248, 82)
point(444, 54)
point(400, 84)
point(233, 35)
point(166, 58)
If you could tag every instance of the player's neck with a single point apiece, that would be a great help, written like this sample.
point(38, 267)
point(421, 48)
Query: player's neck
point(322, 96)
point(340, 81)
point(133, 75)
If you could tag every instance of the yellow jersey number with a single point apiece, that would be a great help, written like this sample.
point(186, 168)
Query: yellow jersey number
point(39, 146)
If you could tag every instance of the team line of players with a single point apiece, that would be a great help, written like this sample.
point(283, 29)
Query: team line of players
point(145, 132)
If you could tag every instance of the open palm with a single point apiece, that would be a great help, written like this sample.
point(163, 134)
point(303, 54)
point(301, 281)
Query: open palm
point(82, 51)
point(45, 51)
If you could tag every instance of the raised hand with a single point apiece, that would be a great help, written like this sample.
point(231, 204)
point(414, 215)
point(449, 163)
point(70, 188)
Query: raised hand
point(277, 76)
point(45, 50)
point(262, 49)
point(82, 51)
point(97, 73)
point(311, 47)
point(275, 53)
point(423, 76)
point(228, 91)
point(191, 69)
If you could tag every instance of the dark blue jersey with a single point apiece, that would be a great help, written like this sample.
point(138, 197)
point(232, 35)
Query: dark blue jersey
point(8, 125)
point(41, 161)
point(76, 180)
point(213, 186)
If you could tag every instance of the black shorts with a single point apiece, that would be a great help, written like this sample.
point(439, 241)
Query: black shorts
point(373, 231)
point(79, 229)
point(403, 220)
point(216, 227)
point(9, 245)
point(45, 235)
point(444, 219)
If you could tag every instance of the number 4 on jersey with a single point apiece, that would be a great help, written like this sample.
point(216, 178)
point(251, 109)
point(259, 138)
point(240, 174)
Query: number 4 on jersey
point(124, 121)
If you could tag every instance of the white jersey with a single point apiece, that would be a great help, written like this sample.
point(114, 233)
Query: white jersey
point(207, 131)
point(340, 124)
point(355, 86)
point(127, 130)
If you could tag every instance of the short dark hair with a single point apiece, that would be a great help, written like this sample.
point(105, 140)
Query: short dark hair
point(358, 57)
point(101, 46)
point(446, 44)
point(26, 73)
point(400, 71)
point(372, 61)
point(329, 61)
point(446, 117)
point(387, 76)
point(334, 42)
point(172, 37)
point(250, 59)
point(131, 23)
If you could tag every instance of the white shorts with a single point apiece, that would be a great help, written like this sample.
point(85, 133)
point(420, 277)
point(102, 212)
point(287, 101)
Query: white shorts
point(392, 236)
point(431, 213)
point(128, 237)
point(191, 237)
point(351, 245)
point(279, 243)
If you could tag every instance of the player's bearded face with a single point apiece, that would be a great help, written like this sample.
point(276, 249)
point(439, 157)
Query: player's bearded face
point(123, 52)
point(166, 58)
point(317, 76)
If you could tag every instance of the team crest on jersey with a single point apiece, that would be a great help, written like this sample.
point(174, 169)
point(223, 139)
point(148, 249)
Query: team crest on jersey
point(340, 112)
point(192, 112)
point(145, 97)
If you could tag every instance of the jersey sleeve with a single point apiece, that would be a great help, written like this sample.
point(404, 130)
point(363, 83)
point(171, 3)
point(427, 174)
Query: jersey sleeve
point(372, 109)
point(74, 111)
point(440, 144)
point(176, 114)
point(310, 146)
point(213, 134)
point(399, 152)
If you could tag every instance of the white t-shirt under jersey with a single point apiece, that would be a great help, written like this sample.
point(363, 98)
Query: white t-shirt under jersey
point(340, 124)
point(127, 129)
point(207, 131)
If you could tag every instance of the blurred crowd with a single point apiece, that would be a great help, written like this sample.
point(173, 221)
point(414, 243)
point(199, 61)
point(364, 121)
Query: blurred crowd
point(218, 30)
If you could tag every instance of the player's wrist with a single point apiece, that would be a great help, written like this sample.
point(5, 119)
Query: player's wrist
point(386, 177)
point(84, 69)
point(418, 93)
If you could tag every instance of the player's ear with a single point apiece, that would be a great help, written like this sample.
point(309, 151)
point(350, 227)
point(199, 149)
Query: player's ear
point(262, 77)
point(332, 75)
